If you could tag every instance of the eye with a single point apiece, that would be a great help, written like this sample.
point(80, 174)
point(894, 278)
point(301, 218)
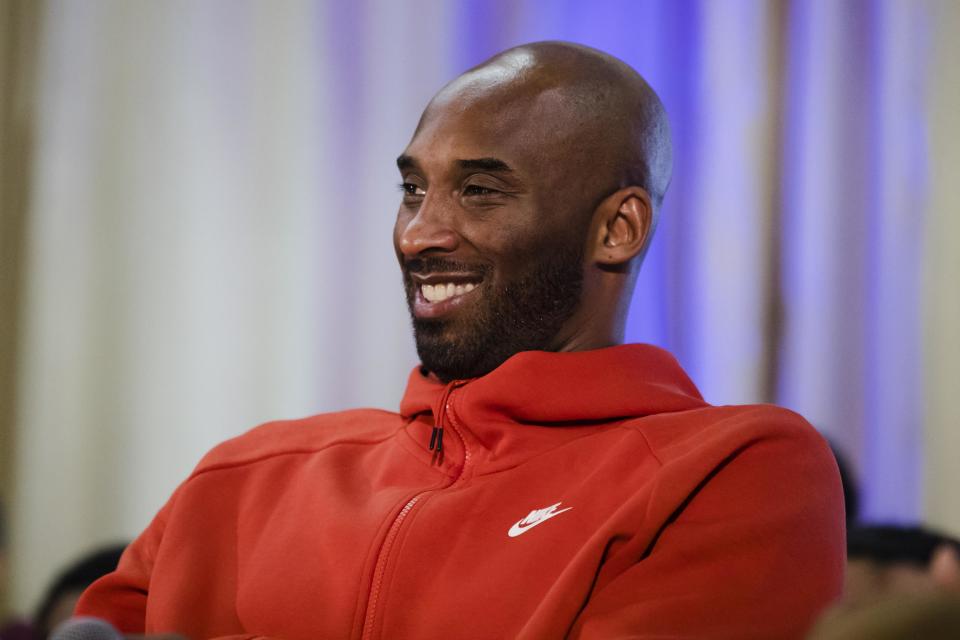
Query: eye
point(477, 190)
point(410, 189)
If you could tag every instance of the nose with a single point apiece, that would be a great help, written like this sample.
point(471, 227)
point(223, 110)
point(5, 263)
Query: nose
point(429, 229)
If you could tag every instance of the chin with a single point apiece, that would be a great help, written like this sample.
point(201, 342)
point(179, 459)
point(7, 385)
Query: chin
point(443, 357)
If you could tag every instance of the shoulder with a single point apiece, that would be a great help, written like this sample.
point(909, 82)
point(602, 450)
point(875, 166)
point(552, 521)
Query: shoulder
point(303, 435)
point(722, 432)
point(752, 464)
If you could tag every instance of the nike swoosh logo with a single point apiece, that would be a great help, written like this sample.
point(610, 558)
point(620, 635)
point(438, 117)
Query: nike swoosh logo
point(525, 524)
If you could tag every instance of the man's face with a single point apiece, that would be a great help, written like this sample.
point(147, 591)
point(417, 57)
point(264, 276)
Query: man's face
point(487, 237)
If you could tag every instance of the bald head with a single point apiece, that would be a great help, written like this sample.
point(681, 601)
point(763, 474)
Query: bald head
point(591, 109)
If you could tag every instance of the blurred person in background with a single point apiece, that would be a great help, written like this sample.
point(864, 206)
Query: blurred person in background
point(541, 479)
point(902, 581)
point(890, 560)
point(928, 616)
point(851, 488)
point(61, 596)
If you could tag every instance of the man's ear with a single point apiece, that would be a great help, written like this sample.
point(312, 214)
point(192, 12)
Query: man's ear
point(624, 222)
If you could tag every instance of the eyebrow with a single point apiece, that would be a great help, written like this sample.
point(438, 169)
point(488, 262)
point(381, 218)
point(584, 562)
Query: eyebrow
point(406, 162)
point(482, 164)
point(485, 164)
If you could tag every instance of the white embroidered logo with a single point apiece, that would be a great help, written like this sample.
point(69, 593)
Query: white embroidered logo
point(534, 518)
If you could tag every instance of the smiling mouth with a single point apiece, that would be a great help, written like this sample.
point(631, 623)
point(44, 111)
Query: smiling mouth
point(444, 291)
point(439, 294)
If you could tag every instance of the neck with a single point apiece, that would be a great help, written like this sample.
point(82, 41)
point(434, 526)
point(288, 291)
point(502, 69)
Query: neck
point(590, 330)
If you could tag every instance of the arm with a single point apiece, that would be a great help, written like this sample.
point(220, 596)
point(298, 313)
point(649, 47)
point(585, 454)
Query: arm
point(120, 597)
point(756, 552)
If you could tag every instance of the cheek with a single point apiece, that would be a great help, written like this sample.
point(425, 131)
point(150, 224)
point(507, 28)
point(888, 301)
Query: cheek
point(503, 232)
point(507, 248)
point(520, 255)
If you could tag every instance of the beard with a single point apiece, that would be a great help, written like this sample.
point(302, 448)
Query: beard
point(523, 314)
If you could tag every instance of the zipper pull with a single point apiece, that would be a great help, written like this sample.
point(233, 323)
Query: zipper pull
point(436, 435)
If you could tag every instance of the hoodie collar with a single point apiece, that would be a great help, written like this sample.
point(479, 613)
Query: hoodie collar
point(547, 389)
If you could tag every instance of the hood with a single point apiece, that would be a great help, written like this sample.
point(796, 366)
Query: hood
point(547, 389)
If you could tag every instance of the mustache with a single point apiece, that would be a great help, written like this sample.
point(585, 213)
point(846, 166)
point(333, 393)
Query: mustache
point(431, 264)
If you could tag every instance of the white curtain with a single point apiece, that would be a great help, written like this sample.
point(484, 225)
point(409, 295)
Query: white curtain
point(209, 238)
point(941, 274)
point(209, 244)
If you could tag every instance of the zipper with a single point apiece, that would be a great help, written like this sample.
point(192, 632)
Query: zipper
point(463, 441)
point(436, 442)
point(381, 565)
point(436, 434)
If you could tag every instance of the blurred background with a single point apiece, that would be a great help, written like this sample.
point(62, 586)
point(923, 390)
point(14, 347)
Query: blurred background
point(197, 200)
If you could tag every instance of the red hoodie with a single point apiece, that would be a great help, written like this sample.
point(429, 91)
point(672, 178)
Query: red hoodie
point(590, 495)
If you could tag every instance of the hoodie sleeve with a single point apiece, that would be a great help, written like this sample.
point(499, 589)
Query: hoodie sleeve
point(120, 597)
point(756, 552)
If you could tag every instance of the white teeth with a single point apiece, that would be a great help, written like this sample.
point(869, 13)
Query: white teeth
point(441, 292)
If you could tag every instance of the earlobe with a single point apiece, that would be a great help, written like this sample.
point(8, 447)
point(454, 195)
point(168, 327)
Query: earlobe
point(626, 223)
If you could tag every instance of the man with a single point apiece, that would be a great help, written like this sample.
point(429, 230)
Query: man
point(539, 481)
point(62, 594)
point(902, 582)
point(894, 560)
